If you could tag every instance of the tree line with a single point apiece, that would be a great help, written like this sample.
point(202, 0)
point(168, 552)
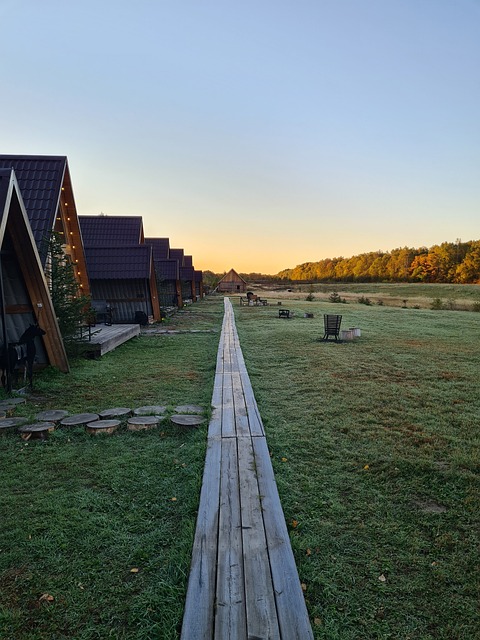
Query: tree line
point(456, 262)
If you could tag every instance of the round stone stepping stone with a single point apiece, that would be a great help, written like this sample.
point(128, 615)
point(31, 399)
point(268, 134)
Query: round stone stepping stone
point(187, 420)
point(7, 409)
point(6, 423)
point(141, 423)
point(150, 410)
point(79, 418)
point(37, 430)
point(189, 408)
point(118, 412)
point(102, 426)
point(52, 415)
point(13, 401)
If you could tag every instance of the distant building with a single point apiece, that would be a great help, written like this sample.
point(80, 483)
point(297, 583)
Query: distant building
point(232, 283)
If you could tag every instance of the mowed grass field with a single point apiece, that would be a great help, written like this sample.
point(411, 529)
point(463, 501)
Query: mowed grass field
point(457, 296)
point(375, 446)
point(96, 531)
point(375, 449)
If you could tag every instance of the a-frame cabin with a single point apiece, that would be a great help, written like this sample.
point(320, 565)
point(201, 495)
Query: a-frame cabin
point(120, 266)
point(47, 193)
point(24, 294)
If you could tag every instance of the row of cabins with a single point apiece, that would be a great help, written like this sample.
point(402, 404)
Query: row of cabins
point(113, 262)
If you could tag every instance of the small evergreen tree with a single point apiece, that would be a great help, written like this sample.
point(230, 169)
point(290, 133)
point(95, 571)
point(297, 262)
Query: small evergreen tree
point(70, 304)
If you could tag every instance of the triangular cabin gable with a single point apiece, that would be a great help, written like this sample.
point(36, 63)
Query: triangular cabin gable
point(47, 193)
point(232, 283)
point(24, 294)
point(167, 272)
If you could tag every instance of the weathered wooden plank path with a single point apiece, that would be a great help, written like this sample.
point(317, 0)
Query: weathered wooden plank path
point(243, 582)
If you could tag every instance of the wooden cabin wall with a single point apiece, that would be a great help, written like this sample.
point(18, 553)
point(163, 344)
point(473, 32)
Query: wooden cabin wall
point(167, 293)
point(232, 287)
point(18, 309)
point(186, 290)
point(125, 296)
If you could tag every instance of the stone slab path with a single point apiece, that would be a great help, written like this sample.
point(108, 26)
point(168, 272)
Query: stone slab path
point(243, 582)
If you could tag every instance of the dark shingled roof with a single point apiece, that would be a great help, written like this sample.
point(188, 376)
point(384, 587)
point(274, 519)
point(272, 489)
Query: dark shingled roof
point(186, 273)
point(167, 269)
point(111, 231)
point(198, 275)
point(187, 261)
point(160, 246)
point(40, 180)
point(178, 255)
point(119, 263)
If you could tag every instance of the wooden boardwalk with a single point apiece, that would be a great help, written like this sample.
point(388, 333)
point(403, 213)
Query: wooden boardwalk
point(243, 581)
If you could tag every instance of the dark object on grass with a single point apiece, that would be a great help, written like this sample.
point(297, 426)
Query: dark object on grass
point(23, 351)
point(141, 318)
point(332, 326)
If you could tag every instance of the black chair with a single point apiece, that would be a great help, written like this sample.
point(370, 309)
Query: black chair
point(332, 326)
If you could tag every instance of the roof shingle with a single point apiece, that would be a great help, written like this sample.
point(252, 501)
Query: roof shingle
point(160, 246)
point(111, 231)
point(119, 263)
point(40, 179)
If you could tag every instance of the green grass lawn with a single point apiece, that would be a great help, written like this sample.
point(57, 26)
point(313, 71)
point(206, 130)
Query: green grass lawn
point(375, 449)
point(104, 525)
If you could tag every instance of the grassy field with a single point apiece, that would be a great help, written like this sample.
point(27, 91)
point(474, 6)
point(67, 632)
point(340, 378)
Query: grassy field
point(375, 449)
point(96, 532)
point(457, 296)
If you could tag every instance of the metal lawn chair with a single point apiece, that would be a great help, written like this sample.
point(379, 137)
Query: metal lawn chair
point(332, 326)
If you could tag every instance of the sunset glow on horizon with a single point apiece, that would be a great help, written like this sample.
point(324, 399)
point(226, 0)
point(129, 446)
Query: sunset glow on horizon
point(256, 135)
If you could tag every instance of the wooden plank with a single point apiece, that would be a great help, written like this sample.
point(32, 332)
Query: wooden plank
point(200, 601)
point(292, 611)
point(260, 600)
point(241, 419)
point(11, 309)
point(230, 620)
point(217, 394)
point(254, 418)
point(228, 416)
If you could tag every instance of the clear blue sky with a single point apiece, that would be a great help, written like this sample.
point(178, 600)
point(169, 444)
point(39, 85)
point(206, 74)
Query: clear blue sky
point(255, 134)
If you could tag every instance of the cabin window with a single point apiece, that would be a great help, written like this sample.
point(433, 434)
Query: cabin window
point(238, 287)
